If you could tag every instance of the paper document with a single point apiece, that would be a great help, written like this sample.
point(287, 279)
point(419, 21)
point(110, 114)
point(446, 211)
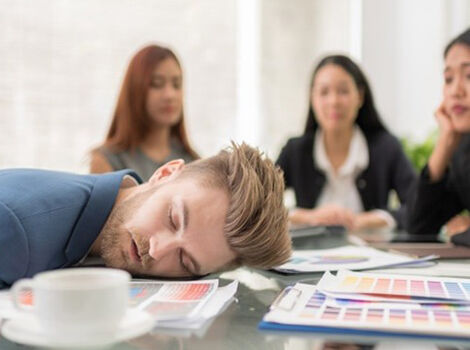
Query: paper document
point(407, 288)
point(347, 257)
point(173, 304)
point(214, 306)
point(308, 309)
point(172, 300)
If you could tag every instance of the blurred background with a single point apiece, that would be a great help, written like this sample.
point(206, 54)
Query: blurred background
point(246, 66)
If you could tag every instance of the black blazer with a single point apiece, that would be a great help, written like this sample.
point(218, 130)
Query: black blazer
point(433, 204)
point(388, 169)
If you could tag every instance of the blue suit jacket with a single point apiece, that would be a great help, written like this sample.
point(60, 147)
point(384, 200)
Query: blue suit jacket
point(49, 219)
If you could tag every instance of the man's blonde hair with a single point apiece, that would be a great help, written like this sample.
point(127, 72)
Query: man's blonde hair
point(256, 225)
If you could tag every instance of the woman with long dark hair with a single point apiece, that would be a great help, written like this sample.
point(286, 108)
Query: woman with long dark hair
point(443, 189)
point(346, 163)
point(147, 129)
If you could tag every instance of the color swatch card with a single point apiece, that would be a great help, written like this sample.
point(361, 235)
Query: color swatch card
point(172, 300)
point(370, 286)
point(304, 307)
point(347, 257)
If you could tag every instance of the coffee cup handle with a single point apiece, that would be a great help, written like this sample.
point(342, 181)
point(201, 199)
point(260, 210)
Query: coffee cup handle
point(18, 286)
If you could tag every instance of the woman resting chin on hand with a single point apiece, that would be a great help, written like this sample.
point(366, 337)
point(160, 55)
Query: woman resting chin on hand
point(443, 189)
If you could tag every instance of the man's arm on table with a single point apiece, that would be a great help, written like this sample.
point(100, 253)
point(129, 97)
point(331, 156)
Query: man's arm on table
point(14, 250)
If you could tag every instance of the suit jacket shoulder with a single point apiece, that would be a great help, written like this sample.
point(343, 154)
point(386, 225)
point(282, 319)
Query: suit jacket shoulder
point(50, 219)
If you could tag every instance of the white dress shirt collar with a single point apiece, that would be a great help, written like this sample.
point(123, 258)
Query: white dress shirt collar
point(356, 161)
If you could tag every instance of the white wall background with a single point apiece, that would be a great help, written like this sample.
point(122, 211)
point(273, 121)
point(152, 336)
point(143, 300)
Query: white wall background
point(247, 66)
point(402, 50)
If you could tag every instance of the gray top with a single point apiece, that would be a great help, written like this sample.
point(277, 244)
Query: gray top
point(142, 164)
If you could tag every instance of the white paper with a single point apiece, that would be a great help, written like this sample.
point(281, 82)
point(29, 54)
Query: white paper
point(454, 291)
point(196, 311)
point(347, 257)
point(216, 304)
point(444, 269)
point(173, 300)
point(311, 309)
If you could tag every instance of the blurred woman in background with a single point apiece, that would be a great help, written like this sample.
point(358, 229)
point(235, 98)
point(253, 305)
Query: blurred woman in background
point(443, 188)
point(346, 163)
point(147, 129)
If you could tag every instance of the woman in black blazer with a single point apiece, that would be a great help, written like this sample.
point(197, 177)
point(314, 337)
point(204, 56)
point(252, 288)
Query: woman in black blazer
point(344, 166)
point(443, 188)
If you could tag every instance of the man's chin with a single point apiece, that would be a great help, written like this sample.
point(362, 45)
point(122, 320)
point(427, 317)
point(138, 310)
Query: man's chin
point(115, 262)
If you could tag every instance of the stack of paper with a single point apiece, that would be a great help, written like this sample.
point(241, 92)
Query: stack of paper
point(187, 305)
point(347, 257)
point(376, 304)
point(176, 305)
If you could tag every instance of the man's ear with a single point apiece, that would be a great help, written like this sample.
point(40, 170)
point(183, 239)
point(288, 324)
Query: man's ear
point(167, 171)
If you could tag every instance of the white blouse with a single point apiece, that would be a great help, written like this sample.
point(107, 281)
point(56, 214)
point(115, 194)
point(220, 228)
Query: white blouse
point(340, 188)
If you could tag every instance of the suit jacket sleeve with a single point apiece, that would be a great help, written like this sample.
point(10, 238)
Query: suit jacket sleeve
point(14, 250)
point(432, 204)
point(283, 162)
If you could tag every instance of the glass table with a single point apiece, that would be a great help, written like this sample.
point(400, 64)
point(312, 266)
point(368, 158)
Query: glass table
point(236, 328)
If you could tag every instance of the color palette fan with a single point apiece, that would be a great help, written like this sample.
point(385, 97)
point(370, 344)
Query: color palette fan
point(404, 287)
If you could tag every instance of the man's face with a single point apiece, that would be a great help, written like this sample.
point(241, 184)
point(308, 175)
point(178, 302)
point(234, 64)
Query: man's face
point(171, 229)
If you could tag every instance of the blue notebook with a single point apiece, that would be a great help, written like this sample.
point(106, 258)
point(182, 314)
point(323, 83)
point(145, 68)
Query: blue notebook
point(271, 326)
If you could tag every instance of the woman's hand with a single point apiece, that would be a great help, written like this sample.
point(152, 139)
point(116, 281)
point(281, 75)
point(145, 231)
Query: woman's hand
point(446, 145)
point(368, 220)
point(324, 215)
point(457, 224)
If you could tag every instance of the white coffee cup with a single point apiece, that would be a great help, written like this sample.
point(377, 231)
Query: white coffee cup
point(87, 300)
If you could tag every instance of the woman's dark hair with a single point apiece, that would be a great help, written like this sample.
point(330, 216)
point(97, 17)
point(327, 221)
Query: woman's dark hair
point(463, 38)
point(367, 117)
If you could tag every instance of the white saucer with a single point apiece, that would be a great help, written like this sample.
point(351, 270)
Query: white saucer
point(26, 330)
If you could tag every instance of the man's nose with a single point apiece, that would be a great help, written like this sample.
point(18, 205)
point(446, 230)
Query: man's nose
point(162, 243)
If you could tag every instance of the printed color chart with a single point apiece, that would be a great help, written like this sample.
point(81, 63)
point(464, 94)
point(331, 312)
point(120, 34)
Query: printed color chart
point(317, 310)
point(170, 291)
point(185, 292)
point(141, 291)
point(429, 287)
point(172, 300)
point(425, 316)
